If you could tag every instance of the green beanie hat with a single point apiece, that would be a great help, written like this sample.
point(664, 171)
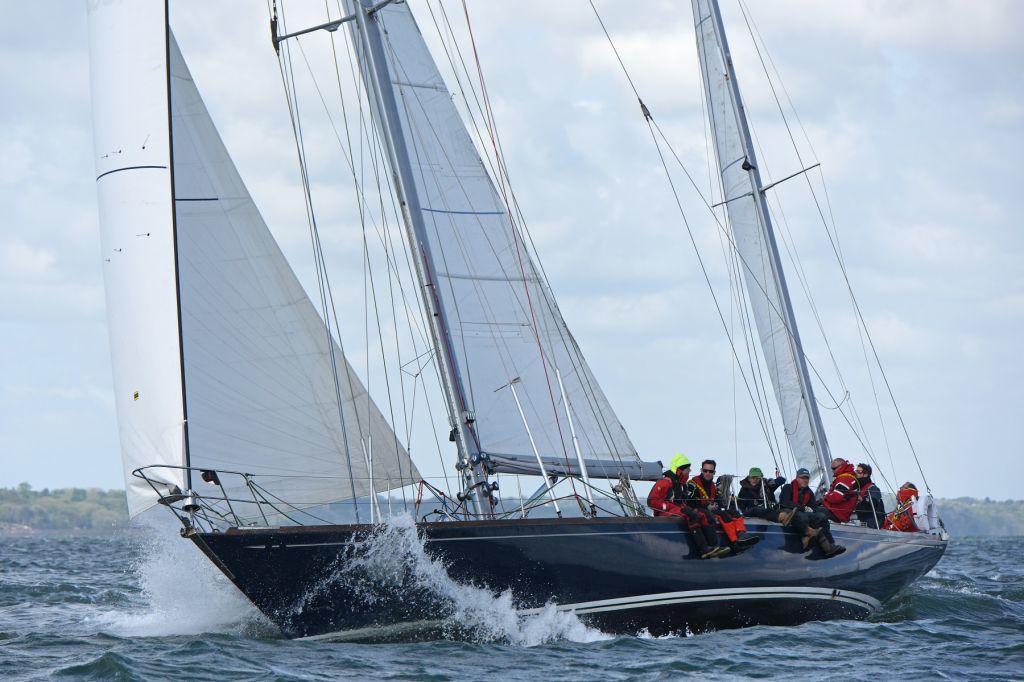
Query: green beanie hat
point(754, 471)
point(679, 461)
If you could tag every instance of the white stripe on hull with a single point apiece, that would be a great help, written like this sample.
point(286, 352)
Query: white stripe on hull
point(864, 601)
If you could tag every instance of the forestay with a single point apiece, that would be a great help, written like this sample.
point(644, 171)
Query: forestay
point(751, 229)
point(500, 320)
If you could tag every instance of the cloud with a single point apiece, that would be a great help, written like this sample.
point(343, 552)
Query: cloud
point(23, 262)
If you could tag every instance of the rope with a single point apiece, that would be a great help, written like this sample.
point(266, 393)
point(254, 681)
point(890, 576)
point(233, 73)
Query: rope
point(288, 80)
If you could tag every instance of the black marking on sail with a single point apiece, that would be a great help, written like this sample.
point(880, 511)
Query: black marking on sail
point(125, 168)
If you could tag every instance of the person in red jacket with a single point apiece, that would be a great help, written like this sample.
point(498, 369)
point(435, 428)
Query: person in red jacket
point(667, 498)
point(902, 518)
point(702, 493)
point(842, 496)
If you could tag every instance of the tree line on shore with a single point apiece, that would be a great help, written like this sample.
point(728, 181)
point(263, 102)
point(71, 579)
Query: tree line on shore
point(23, 509)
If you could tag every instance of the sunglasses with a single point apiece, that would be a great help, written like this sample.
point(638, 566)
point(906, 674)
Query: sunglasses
point(708, 471)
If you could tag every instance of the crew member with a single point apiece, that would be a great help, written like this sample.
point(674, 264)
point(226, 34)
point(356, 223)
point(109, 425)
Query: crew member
point(757, 495)
point(842, 495)
point(701, 493)
point(870, 510)
point(668, 498)
point(800, 509)
point(902, 517)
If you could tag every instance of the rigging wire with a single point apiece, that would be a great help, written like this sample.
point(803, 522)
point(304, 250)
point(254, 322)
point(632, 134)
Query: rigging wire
point(535, 328)
point(370, 407)
point(654, 126)
point(498, 168)
point(572, 350)
point(287, 78)
point(834, 242)
point(832, 220)
point(509, 201)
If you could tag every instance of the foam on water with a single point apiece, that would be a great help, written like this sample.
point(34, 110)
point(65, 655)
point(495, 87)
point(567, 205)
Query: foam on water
point(181, 593)
point(393, 556)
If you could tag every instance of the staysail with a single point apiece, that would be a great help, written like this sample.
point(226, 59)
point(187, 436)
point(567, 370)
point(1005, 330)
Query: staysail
point(255, 367)
point(500, 322)
point(755, 245)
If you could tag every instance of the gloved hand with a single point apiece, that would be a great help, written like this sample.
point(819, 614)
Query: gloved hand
point(808, 510)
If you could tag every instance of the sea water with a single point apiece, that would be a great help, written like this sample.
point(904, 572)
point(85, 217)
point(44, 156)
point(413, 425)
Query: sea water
point(141, 605)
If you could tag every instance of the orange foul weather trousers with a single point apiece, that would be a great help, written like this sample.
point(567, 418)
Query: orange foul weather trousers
point(732, 524)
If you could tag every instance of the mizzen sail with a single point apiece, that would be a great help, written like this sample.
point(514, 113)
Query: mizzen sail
point(755, 245)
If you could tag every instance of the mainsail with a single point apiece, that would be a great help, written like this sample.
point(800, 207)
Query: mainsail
point(755, 245)
point(255, 368)
point(499, 321)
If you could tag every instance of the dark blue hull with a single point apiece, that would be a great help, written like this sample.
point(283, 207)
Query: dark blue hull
point(618, 574)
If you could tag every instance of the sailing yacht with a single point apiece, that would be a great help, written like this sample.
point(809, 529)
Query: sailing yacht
point(240, 413)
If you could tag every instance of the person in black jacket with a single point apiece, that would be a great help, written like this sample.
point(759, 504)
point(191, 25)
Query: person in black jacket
point(870, 510)
point(802, 511)
point(757, 495)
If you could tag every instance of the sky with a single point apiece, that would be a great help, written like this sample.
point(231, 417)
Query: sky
point(914, 109)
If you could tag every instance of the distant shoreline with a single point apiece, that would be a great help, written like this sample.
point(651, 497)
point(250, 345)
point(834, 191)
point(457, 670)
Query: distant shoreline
point(24, 511)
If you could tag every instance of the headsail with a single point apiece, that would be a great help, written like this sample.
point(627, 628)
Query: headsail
point(253, 370)
point(127, 55)
point(755, 245)
point(258, 363)
point(500, 321)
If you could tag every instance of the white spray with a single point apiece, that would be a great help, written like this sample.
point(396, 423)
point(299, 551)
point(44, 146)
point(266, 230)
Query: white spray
point(394, 555)
point(181, 593)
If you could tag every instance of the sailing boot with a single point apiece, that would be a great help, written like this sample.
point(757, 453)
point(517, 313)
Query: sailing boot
point(735, 530)
point(706, 551)
point(744, 540)
point(711, 540)
point(829, 548)
point(810, 536)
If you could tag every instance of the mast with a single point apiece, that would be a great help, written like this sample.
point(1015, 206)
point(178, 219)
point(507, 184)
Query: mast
point(367, 31)
point(708, 10)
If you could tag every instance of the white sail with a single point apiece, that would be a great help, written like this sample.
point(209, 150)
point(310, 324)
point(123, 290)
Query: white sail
point(499, 318)
point(259, 383)
point(251, 363)
point(748, 219)
point(127, 54)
